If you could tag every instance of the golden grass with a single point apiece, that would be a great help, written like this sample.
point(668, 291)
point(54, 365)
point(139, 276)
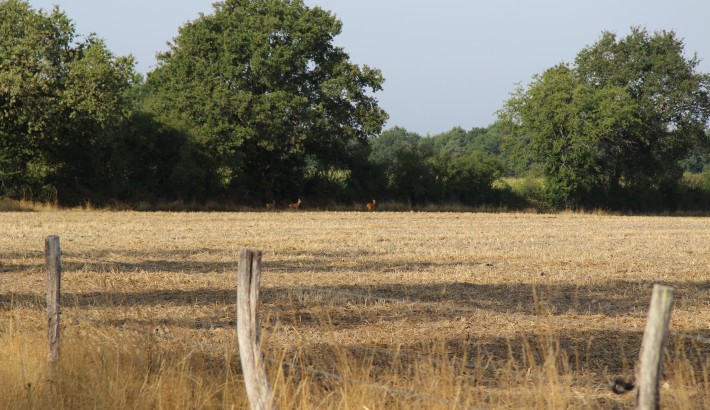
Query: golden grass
point(463, 310)
point(11, 205)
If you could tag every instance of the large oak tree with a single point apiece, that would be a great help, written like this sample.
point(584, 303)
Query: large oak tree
point(266, 93)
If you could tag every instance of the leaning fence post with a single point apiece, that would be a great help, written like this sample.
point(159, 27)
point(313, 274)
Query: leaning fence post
point(52, 256)
point(257, 384)
point(651, 357)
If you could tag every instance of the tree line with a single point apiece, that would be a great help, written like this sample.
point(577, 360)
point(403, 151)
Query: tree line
point(254, 103)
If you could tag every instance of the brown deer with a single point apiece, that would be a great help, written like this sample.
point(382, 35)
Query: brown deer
point(371, 205)
point(296, 205)
point(271, 205)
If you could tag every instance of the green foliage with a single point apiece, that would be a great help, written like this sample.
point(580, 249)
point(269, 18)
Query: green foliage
point(529, 189)
point(699, 156)
point(468, 179)
point(153, 161)
point(72, 129)
point(405, 174)
point(611, 130)
point(266, 94)
point(449, 167)
point(254, 102)
point(29, 68)
point(61, 100)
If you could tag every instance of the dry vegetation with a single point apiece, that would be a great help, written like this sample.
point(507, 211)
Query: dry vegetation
point(462, 310)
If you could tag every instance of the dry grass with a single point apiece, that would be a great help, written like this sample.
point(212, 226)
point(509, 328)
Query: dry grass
point(463, 310)
point(11, 205)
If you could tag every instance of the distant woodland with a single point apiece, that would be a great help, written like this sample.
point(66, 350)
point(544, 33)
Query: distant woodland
point(253, 103)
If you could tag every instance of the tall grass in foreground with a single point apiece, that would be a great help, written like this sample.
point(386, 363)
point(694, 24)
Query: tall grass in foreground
point(104, 367)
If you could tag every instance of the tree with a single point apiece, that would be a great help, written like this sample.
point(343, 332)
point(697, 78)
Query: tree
point(459, 142)
point(266, 93)
point(400, 159)
point(152, 161)
point(451, 166)
point(699, 157)
point(612, 129)
point(62, 100)
point(469, 179)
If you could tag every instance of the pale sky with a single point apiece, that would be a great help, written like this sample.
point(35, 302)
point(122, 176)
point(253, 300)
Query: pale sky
point(446, 63)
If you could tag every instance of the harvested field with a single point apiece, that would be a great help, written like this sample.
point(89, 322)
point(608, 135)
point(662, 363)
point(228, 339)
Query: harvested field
point(359, 310)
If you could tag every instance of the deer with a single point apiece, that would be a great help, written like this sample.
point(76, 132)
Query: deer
point(371, 205)
point(271, 205)
point(295, 205)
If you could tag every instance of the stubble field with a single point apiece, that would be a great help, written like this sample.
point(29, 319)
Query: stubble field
point(359, 310)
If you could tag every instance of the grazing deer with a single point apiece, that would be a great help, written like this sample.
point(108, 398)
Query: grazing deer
point(295, 205)
point(371, 205)
point(271, 205)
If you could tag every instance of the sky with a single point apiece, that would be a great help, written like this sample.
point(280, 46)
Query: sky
point(446, 63)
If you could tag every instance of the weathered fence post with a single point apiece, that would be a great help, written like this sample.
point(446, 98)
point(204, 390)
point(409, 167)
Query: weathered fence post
point(651, 357)
point(52, 256)
point(257, 384)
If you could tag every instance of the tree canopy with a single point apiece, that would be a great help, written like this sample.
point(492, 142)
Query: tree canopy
point(455, 166)
point(61, 99)
point(612, 128)
point(268, 96)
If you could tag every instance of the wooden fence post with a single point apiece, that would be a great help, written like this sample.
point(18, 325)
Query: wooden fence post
point(651, 357)
point(52, 256)
point(257, 384)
